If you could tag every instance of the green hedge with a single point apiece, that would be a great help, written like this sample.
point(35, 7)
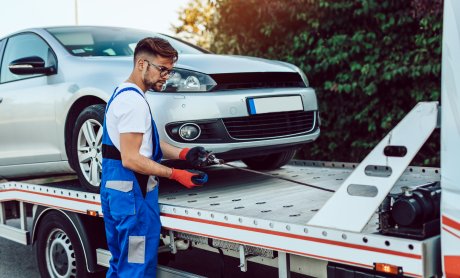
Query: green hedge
point(370, 61)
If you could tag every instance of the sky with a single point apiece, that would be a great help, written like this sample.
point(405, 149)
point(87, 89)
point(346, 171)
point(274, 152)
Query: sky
point(153, 15)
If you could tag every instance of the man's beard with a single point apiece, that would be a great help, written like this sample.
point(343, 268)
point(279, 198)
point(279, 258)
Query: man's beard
point(158, 86)
point(151, 85)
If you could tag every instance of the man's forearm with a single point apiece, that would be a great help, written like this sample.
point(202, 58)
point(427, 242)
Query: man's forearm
point(143, 165)
point(169, 151)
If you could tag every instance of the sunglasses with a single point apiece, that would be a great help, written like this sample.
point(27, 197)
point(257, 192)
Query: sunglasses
point(163, 70)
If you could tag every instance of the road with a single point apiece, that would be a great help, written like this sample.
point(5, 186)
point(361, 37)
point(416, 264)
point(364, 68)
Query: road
point(17, 260)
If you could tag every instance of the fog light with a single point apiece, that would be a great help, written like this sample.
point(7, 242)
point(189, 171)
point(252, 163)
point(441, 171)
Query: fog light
point(189, 131)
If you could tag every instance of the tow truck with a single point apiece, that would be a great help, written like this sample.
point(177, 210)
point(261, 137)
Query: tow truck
point(379, 218)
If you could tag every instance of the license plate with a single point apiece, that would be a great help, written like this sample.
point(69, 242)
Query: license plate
point(264, 105)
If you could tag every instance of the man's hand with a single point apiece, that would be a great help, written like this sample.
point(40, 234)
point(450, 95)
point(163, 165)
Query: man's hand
point(196, 156)
point(189, 178)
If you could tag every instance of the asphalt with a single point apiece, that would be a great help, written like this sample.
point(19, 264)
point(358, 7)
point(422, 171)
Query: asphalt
point(17, 260)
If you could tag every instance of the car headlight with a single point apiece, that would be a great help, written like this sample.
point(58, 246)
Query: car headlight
point(188, 81)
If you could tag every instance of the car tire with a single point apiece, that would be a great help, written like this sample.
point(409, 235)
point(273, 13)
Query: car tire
point(58, 249)
point(87, 147)
point(270, 161)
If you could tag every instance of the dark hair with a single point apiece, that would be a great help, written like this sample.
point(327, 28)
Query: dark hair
point(157, 47)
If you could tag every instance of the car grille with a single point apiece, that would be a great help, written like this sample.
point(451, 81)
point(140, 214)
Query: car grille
point(236, 81)
point(209, 130)
point(270, 125)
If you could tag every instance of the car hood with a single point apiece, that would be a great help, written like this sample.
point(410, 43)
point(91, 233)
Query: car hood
point(213, 64)
point(210, 63)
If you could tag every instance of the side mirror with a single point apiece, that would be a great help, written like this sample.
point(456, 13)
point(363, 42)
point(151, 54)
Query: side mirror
point(31, 65)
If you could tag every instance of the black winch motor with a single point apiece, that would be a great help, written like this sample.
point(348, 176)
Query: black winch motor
point(413, 213)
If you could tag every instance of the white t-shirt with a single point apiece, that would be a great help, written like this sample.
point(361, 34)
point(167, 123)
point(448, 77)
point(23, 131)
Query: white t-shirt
point(129, 112)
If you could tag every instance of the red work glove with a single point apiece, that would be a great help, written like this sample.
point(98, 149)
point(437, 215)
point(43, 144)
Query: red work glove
point(189, 178)
point(196, 156)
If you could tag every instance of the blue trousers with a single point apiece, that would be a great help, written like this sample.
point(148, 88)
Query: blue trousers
point(132, 222)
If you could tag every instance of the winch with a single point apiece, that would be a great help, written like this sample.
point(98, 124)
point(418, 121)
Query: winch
point(412, 213)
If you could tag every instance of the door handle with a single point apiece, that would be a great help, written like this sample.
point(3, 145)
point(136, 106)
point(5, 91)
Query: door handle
point(1, 99)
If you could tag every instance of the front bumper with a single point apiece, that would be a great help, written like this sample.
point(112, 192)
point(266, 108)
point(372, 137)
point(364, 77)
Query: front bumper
point(215, 111)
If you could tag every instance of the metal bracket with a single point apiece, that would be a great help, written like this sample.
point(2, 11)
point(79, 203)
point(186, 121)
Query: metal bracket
point(23, 215)
point(172, 243)
point(2, 214)
point(244, 259)
point(284, 265)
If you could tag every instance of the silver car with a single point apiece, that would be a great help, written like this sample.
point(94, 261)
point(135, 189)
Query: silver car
point(55, 83)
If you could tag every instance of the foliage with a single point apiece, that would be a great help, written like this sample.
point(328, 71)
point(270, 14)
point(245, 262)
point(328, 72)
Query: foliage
point(195, 19)
point(370, 61)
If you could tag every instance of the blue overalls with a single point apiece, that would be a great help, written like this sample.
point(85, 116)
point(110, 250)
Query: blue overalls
point(132, 221)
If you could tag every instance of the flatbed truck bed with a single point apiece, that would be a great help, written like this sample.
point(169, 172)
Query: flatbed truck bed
point(255, 216)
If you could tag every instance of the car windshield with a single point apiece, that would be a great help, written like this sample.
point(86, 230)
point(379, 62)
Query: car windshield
point(111, 41)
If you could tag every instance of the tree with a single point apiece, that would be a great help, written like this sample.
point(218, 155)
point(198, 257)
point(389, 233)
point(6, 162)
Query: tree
point(196, 19)
point(370, 61)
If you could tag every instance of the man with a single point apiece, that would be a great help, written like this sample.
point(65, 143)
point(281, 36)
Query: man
point(131, 154)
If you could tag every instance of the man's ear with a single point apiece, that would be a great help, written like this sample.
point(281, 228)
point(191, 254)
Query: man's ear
point(140, 64)
point(144, 66)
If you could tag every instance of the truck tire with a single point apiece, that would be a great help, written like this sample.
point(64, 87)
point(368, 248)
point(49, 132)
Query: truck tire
point(87, 147)
point(58, 248)
point(270, 161)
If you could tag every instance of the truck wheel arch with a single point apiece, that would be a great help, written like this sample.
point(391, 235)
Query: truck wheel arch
point(88, 252)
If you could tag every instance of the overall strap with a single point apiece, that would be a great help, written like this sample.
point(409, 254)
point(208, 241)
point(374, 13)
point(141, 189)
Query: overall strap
point(108, 149)
point(111, 152)
point(157, 153)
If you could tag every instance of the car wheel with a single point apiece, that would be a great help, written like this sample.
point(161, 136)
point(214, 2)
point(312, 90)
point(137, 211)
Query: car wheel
point(58, 250)
point(87, 146)
point(271, 161)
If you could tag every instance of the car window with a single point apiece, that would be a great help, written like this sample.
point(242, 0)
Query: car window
point(110, 41)
point(2, 42)
point(22, 46)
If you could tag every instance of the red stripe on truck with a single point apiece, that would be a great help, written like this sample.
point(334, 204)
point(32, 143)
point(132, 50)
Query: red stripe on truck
point(52, 195)
point(450, 222)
